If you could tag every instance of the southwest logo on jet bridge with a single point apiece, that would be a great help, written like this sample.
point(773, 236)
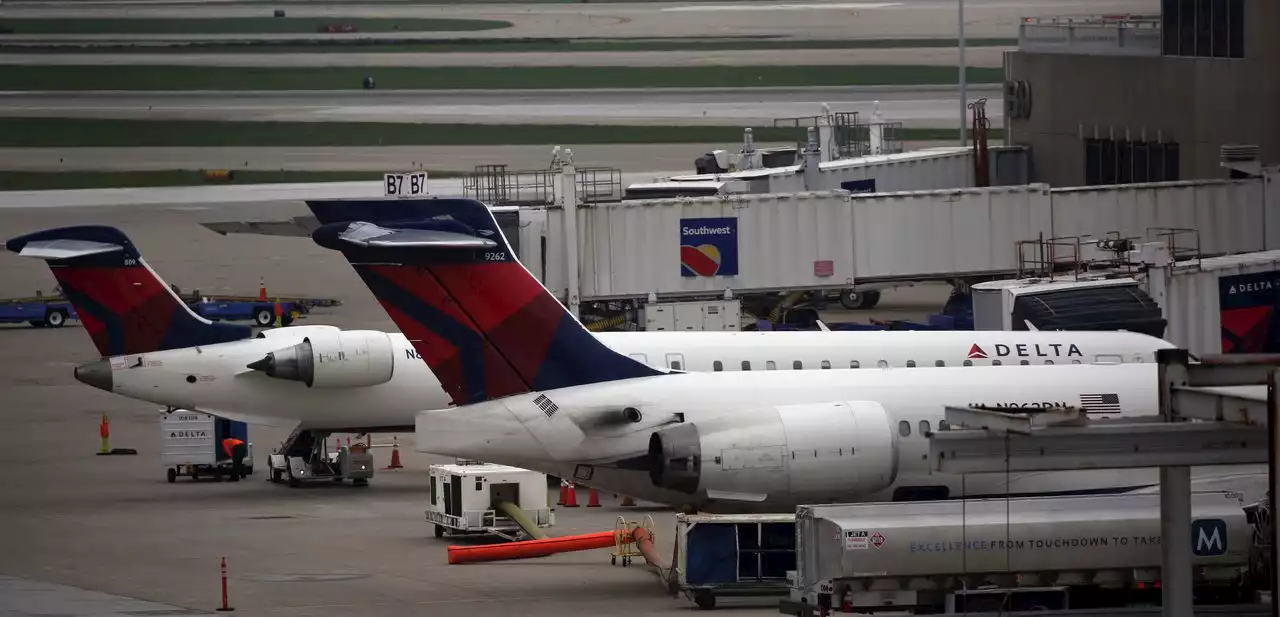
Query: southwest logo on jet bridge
point(709, 247)
point(1023, 350)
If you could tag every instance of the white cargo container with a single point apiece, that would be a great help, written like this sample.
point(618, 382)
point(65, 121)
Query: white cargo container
point(1223, 299)
point(1227, 214)
point(772, 242)
point(191, 444)
point(941, 233)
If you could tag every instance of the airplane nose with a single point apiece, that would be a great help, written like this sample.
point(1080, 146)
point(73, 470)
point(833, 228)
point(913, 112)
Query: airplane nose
point(96, 374)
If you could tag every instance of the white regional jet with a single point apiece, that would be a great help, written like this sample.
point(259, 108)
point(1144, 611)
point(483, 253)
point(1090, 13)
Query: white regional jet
point(535, 389)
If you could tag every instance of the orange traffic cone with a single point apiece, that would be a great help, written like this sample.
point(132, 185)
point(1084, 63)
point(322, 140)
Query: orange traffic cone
point(627, 501)
point(104, 431)
point(571, 496)
point(262, 289)
point(564, 492)
point(593, 498)
point(395, 454)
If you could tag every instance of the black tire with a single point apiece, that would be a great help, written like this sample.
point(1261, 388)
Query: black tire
point(360, 482)
point(439, 531)
point(704, 599)
point(286, 319)
point(859, 301)
point(55, 318)
point(172, 475)
point(217, 474)
point(36, 323)
point(195, 474)
point(276, 476)
point(264, 317)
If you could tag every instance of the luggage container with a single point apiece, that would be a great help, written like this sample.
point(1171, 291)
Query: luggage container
point(980, 555)
point(191, 445)
point(470, 498)
point(734, 555)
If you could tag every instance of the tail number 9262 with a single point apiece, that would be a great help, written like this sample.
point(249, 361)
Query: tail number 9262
point(495, 256)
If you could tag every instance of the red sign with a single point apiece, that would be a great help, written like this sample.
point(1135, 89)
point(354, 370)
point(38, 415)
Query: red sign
point(825, 267)
point(877, 540)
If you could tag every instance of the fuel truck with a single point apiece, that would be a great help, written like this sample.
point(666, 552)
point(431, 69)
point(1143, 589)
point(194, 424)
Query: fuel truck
point(1017, 554)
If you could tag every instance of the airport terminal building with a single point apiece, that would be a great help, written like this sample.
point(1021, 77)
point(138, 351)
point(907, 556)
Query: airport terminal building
point(1123, 99)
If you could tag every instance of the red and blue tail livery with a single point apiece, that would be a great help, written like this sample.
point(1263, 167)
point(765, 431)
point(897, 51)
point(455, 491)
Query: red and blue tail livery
point(447, 276)
point(124, 305)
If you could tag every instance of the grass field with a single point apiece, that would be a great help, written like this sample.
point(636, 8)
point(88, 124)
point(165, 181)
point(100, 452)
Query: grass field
point(239, 25)
point(87, 132)
point(501, 45)
point(168, 77)
point(46, 180)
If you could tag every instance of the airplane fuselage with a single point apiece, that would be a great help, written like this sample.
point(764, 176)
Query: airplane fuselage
point(768, 457)
point(215, 378)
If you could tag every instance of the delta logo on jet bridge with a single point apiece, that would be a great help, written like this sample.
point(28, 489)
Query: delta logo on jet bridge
point(1023, 350)
point(709, 247)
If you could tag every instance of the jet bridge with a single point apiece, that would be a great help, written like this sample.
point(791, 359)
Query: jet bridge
point(1220, 411)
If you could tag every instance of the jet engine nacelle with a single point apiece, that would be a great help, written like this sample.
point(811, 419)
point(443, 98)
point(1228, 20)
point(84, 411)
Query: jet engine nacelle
point(811, 451)
point(334, 359)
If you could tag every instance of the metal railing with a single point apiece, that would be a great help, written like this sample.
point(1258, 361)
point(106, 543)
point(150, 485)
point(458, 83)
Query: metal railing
point(1130, 35)
point(496, 185)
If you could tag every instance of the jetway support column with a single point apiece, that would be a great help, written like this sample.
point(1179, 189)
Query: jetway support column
point(569, 210)
point(1273, 484)
point(1175, 528)
point(1176, 597)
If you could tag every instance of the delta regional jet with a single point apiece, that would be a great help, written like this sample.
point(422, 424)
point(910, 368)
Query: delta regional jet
point(533, 388)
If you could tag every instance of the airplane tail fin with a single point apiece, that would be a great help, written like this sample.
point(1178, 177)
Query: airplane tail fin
point(122, 302)
point(447, 276)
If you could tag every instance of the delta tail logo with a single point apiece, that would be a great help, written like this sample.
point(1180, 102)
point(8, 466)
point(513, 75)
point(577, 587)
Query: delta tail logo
point(976, 352)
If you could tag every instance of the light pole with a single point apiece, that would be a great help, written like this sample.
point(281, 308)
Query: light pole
point(964, 83)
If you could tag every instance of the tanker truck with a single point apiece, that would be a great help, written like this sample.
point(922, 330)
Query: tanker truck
point(992, 555)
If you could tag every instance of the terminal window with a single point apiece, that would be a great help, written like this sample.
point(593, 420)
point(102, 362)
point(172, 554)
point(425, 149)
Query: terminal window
point(1203, 28)
point(1114, 161)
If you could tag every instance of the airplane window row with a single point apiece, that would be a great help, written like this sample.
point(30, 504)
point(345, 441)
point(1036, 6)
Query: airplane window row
point(770, 365)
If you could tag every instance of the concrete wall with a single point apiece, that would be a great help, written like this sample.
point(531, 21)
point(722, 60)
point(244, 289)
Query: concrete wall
point(1201, 103)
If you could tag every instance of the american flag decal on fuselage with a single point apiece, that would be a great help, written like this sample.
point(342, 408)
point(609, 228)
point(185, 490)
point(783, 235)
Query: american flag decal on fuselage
point(1100, 403)
point(546, 405)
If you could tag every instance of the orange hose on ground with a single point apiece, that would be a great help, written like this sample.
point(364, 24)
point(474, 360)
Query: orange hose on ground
point(644, 542)
point(532, 548)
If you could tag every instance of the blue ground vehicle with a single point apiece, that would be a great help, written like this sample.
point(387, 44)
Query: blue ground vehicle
point(251, 308)
point(39, 311)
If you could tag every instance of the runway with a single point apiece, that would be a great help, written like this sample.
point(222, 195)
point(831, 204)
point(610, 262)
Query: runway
point(977, 57)
point(815, 20)
point(928, 106)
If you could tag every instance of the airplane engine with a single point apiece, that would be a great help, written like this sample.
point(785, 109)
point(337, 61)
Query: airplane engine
point(334, 359)
point(813, 451)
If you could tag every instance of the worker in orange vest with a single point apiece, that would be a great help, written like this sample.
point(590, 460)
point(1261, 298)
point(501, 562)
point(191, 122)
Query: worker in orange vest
point(237, 451)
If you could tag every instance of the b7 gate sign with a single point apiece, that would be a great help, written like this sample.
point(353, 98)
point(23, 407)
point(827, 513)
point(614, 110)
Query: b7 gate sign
point(709, 247)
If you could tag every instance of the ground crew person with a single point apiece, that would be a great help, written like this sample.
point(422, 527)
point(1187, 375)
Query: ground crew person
point(237, 451)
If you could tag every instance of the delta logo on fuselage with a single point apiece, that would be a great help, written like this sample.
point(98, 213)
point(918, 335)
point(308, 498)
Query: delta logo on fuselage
point(1023, 350)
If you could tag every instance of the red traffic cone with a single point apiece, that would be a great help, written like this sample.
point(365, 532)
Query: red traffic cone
point(627, 501)
point(564, 492)
point(262, 289)
point(395, 454)
point(571, 496)
point(593, 498)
